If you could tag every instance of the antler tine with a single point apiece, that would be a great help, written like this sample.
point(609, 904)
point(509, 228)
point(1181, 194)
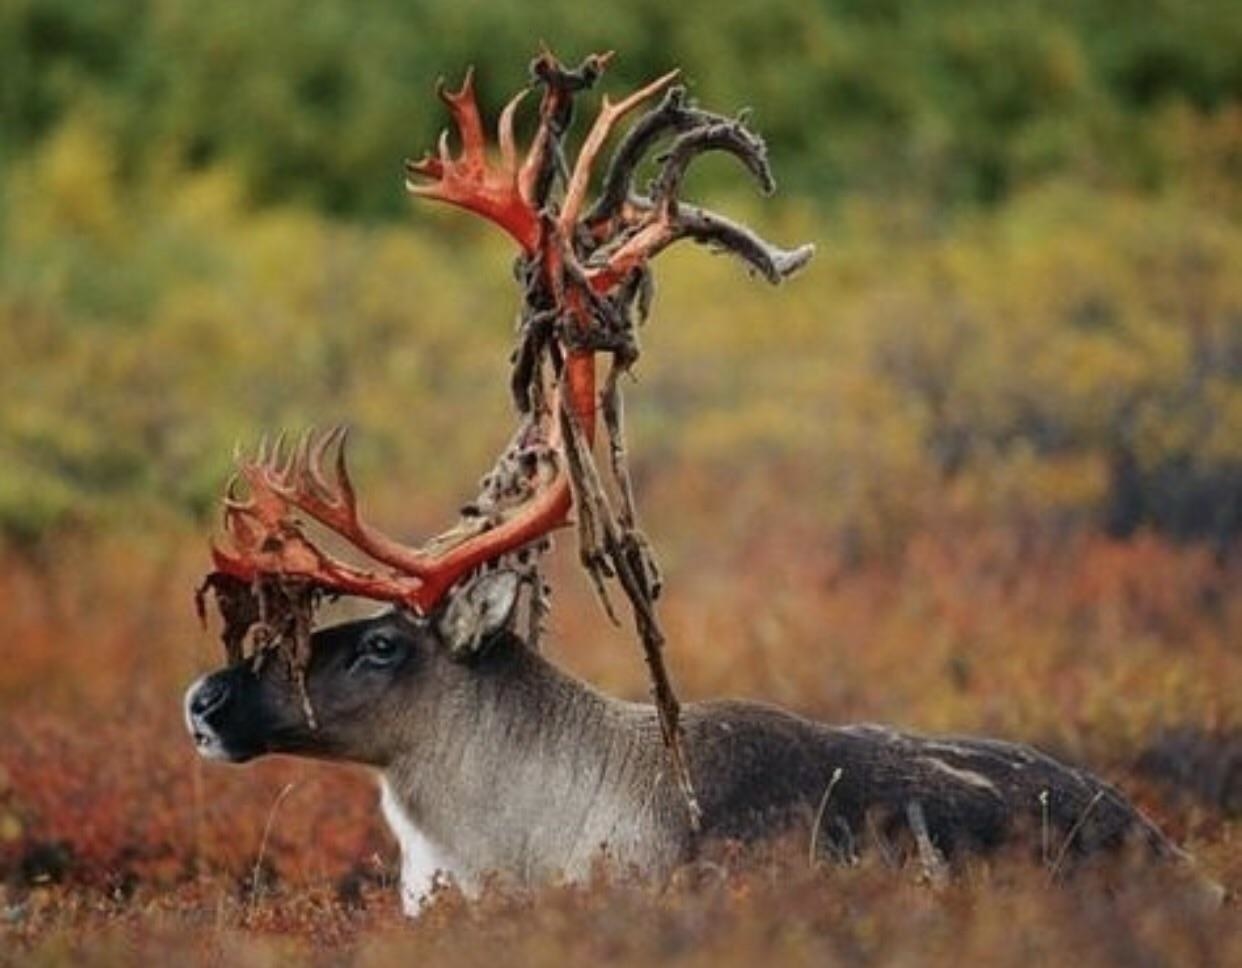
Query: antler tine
point(345, 486)
point(443, 150)
point(663, 228)
point(316, 446)
point(298, 469)
point(428, 166)
point(260, 452)
point(605, 121)
point(671, 114)
point(231, 502)
point(504, 132)
point(770, 261)
point(317, 449)
point(528, 172)
point(276, 467)
point(465, 110)
point(731, 137)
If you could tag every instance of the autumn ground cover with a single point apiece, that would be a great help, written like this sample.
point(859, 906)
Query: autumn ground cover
point(117, 842)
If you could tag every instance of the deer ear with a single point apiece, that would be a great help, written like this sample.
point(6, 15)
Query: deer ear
point(478, 611)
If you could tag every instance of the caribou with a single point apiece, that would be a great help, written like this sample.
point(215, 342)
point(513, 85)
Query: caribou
point(491, 760)
point(503, 763)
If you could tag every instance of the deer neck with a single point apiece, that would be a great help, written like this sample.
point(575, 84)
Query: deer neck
point(518, 767)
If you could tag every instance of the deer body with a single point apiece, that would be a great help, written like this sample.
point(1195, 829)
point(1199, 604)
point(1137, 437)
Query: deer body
point(505, 764)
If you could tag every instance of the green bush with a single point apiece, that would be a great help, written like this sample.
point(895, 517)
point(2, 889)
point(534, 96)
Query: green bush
point(316, 101)
point(1023, 312)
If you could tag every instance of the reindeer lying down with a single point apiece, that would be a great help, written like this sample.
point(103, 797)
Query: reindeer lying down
point(490, 758)
point(500, 762)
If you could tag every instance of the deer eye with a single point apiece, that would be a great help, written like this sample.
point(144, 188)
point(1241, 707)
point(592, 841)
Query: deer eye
point(380, 649)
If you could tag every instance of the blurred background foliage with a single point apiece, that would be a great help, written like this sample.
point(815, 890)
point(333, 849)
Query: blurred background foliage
point(1026, 311)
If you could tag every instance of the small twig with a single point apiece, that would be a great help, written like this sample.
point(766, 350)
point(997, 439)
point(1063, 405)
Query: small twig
point(267, 830)
point(813, 852)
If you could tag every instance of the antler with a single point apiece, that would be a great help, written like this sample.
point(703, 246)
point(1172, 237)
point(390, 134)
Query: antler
point(585, 269)
point(471, 181)
point(267, 536)
point(584, 276)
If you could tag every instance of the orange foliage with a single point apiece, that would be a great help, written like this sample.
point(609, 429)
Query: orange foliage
point(110, 823)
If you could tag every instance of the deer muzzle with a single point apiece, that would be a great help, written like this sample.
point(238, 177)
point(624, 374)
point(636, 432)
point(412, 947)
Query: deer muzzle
point(222, 716)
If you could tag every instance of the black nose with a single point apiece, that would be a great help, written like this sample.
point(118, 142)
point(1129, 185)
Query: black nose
point(210, 696)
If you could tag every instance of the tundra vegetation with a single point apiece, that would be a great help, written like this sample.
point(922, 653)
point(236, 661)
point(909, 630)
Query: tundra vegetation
point(980, 471)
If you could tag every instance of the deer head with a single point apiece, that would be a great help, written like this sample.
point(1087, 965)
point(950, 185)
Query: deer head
point(376, 685)
point(270, 571)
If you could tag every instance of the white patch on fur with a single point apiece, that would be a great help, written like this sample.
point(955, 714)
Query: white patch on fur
point(969, 777)
point(421, 859)
point(1015, 756)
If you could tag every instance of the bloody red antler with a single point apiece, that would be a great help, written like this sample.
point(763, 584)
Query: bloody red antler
point(583, 266)
point(472, 181)
point(267, 537)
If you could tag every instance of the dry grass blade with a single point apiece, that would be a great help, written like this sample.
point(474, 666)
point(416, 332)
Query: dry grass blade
point(1073, 833)
point(813, 850)
point(256, 874)
point(935, 870)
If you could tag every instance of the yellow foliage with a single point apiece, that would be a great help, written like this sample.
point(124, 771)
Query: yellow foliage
point(68, 188)
point(990, 369)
